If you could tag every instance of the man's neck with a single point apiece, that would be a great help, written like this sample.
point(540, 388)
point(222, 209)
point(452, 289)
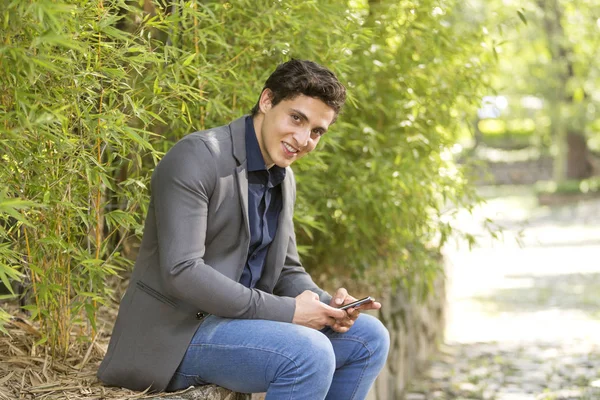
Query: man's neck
point(257, 122)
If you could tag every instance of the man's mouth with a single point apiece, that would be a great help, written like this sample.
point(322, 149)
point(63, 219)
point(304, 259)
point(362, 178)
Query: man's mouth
point(289, 148)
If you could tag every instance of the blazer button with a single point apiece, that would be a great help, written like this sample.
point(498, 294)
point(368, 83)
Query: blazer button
point(200, 315)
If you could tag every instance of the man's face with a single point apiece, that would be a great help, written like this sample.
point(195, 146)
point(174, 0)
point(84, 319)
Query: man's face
point(292, 128)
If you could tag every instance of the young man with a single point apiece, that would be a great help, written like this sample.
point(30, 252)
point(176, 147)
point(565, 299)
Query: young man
point(218, 293)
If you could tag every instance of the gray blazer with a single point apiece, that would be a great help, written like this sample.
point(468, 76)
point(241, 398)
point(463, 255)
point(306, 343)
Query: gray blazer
point(193, 251)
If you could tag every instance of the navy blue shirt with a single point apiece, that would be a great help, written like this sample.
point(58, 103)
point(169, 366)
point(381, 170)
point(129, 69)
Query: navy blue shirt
point(264, 206)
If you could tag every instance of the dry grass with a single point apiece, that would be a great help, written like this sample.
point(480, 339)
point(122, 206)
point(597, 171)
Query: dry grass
point(28, 371)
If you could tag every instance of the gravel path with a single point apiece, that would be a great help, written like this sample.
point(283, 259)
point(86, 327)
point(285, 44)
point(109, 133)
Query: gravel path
point(524, 313)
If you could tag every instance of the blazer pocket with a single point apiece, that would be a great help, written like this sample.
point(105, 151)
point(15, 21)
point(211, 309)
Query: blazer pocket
point(155, 293)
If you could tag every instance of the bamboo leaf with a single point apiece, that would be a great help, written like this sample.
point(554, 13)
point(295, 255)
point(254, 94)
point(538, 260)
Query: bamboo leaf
point(55, 39)
point(188, 60)
point(522, 16)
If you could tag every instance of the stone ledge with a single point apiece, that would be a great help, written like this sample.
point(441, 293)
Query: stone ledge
point(208, 392)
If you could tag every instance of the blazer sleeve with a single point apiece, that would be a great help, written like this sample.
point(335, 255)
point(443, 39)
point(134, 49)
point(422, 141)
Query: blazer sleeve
point(182, 184)
point(294, 279)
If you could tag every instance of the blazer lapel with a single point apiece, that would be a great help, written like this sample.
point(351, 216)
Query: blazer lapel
point(237, 129)
point(242, 180)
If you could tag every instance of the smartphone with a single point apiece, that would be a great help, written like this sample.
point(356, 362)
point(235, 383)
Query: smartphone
point(357, 303)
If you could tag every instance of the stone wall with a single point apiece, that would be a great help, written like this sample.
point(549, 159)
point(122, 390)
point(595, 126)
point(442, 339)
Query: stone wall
point(416, 328)
point(515, 172)
point(526, 172)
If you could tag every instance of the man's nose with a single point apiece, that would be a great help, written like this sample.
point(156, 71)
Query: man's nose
point(301, 137)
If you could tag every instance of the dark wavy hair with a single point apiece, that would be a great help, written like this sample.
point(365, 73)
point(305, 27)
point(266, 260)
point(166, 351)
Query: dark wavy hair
point(296, 77)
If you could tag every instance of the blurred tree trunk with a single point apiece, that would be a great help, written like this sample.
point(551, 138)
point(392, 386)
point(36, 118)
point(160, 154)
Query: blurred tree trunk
point(579, 165)
point(572, 160)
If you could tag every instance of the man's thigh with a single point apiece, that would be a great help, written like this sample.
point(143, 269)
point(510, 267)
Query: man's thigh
point(245, 355)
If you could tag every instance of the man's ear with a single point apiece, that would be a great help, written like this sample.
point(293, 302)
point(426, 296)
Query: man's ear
point(265, 102)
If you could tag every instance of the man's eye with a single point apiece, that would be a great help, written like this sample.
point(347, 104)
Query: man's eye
point(317, 133)
point(295, 117)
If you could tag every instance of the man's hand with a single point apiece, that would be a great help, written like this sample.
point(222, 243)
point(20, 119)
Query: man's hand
point(312, 313)
point(342, 297)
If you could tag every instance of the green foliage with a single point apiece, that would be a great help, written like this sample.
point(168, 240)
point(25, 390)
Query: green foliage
point(76, 104)
point(388, 184)
point(93, 93)
point(584, 186)
point(10, 266)
point(492, 127)
point(510, 134)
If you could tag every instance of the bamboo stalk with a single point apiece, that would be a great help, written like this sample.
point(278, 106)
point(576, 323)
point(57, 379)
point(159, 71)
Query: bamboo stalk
point(99, 160)
point(195, 29)
point(99, 183)
point(68, 274)
point(202, 117)
point(59, 320)
point(33, 275)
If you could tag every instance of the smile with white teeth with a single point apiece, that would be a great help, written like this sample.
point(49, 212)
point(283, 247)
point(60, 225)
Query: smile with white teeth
point(289, 148)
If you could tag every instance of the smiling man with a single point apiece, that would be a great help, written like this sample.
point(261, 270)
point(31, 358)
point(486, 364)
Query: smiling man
point(218, 293)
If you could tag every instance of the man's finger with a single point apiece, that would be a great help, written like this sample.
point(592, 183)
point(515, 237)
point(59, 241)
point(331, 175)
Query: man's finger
point(341, 327)
point(335, 313)
point(374, 305)
point(340, 296)
point(337, 327)
point(348, 323)
point(344, 322)
point(331, 322)
point(354, 312)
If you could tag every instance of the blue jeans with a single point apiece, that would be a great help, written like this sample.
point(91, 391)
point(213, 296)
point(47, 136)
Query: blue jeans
point(287, 361)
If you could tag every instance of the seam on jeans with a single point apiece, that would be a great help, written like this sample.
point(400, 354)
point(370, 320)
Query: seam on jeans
point(192, 377)
point(253, 348)
point(355, 339)
point(362, 373)
point(371, 353)
point(244, 347)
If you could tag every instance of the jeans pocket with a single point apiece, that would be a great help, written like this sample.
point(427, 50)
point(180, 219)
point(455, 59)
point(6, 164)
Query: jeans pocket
point(181, 381)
